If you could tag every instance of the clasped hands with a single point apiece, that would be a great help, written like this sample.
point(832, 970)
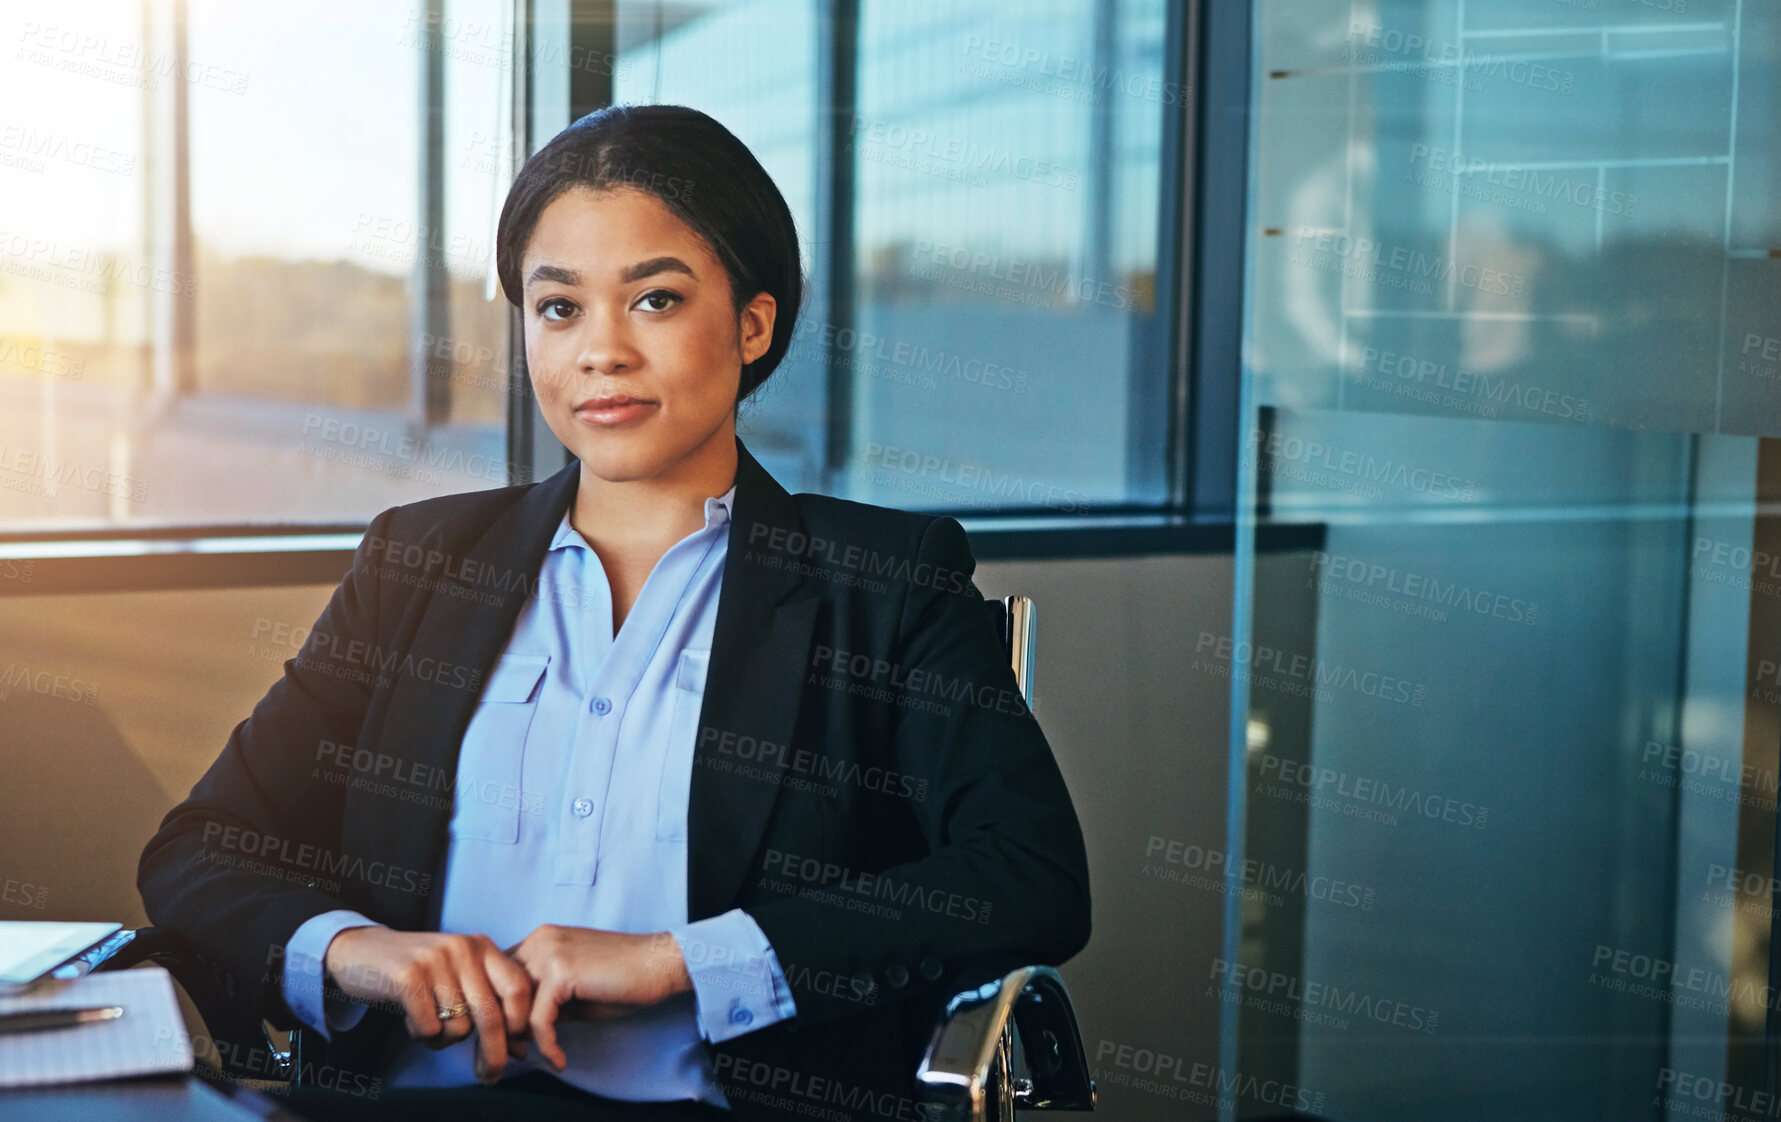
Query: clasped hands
point(507, 997)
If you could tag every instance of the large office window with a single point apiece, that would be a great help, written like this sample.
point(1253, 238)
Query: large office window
point(1005, 254)
point(240, 278)
point(1511, 333)
point(247, 273)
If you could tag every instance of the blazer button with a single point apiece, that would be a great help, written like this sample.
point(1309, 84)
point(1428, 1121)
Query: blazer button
point(897, 975)
point(864, 983)
point(931, 969)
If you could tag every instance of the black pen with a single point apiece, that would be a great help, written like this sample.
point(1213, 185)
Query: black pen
point(37, 1020)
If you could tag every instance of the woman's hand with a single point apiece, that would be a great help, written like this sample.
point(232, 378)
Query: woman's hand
point(605, 973)
point(428, 972)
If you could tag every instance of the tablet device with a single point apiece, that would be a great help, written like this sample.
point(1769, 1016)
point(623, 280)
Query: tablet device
point(29, 950)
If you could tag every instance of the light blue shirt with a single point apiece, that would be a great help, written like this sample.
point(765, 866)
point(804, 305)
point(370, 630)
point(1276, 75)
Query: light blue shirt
point(571, 808)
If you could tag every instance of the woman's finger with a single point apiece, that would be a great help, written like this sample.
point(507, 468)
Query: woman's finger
point(543, 1022)
point(449, 997)
point(484, 1008)
point(512, 985)
point(415, 988)
point(491, 1031)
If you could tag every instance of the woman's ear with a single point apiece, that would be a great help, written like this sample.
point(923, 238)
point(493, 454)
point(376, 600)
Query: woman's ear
point(755, 327)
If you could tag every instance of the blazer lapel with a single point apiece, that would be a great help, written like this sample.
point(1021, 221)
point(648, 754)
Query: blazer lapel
point(430, 706)
point(760, 646)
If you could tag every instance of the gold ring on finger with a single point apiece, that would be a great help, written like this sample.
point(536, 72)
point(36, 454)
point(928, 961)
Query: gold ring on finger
point(447, 1013)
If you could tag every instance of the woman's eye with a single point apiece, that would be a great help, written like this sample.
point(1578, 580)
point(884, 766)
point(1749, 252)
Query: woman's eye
point(662, 294)
point(545, 306)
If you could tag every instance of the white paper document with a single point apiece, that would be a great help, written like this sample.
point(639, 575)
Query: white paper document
point(149, 1039)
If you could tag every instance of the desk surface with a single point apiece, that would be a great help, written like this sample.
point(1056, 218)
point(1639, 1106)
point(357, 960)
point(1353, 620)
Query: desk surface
point(140, 1100)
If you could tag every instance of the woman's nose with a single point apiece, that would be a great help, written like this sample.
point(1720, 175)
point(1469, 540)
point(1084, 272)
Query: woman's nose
point(606, 343)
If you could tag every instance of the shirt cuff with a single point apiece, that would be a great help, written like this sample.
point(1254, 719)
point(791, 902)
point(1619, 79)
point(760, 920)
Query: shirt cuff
point(304, 982)
point(737, 983)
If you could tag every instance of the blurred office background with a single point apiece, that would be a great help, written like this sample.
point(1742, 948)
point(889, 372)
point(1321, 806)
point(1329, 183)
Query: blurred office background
point(1376, 395)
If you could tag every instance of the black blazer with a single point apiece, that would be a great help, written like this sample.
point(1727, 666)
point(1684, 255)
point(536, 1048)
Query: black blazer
point(866, 782)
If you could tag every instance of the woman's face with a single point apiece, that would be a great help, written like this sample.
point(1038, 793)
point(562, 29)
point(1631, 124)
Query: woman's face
point(634, 348)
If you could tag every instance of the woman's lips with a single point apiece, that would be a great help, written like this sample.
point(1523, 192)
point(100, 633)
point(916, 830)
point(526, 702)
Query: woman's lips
point(614, 415)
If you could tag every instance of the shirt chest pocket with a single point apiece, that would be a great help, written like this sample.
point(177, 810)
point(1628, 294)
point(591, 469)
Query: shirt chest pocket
point(675, 788)
point(487, 789)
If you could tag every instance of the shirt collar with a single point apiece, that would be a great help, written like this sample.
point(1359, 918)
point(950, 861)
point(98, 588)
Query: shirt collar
point(718, 511)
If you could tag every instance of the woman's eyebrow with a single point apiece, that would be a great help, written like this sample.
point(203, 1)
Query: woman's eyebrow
point(554, 273)
point(665, 264)
point(655, 265)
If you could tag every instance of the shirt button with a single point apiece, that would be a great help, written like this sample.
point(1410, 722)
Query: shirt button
point(602, 706)
point(583, 807)
point(741, 1016)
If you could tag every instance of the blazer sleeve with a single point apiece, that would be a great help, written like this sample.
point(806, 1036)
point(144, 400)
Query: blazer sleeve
point(235, 865)
point(1004, 879)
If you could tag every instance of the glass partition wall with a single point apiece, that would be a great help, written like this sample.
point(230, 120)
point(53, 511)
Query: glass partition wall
point(1507, 742)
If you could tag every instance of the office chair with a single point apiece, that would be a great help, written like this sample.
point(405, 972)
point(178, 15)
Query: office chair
point(1008, 1044)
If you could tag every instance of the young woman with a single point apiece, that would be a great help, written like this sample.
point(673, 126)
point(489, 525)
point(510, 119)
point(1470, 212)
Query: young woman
point(685, 794)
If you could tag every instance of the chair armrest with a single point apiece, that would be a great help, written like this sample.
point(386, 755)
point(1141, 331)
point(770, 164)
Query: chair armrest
point(160, 945)
point(239, 1039)
point(968, 1069)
